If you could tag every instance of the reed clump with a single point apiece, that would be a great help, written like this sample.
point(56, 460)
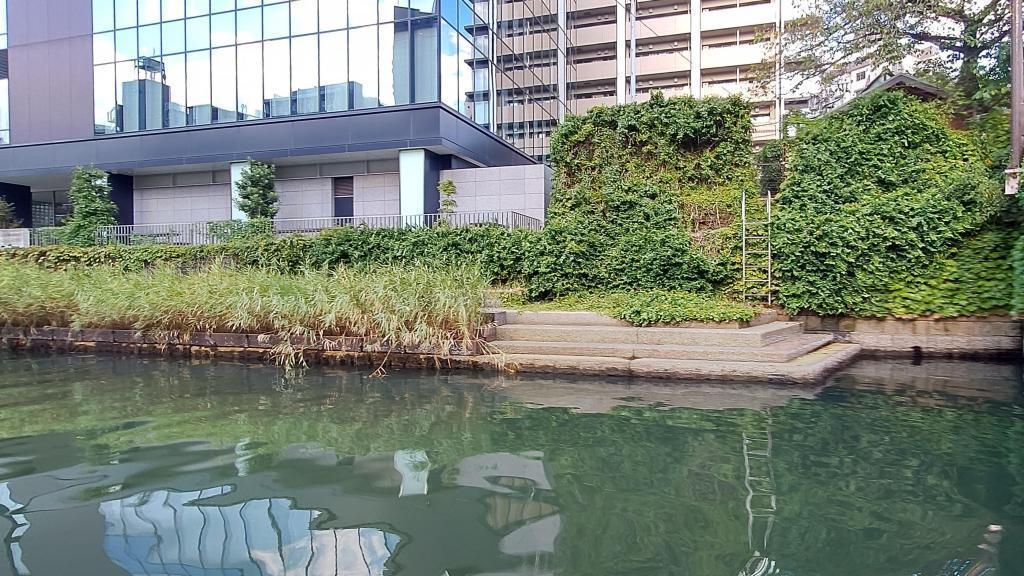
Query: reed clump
point(405, 307)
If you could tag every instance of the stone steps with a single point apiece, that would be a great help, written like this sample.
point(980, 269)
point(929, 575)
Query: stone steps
point(781, 351)
point(754, 336)
point(806, 369)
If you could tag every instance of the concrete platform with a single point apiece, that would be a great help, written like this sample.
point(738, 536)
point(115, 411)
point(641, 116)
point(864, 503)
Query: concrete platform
point(807, 369)
point(781, 351)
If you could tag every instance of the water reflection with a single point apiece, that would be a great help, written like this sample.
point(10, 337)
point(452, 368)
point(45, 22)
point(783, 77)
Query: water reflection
point(362, 516)
point(165, 532)
point(126, 466)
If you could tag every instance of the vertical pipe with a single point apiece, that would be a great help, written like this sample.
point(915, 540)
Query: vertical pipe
point(780, 69)
point(563, 54)
point(696, 45)
point(1016, 86)
point(632, 51)
point(620, 53)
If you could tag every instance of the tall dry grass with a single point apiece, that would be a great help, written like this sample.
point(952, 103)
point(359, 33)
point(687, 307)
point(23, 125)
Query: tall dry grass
point(390, 306)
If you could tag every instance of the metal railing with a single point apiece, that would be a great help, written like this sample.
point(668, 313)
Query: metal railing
point(199, 233)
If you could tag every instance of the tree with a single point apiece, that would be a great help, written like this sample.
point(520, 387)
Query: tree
point(256, 195)
point(7, 218)
point(91, 207)
point(834, 34)
point(448, 191)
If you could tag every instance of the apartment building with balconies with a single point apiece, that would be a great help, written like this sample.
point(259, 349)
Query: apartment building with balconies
point(620, 51)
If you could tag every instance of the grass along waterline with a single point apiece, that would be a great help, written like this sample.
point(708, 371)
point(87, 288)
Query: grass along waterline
point(390, 306)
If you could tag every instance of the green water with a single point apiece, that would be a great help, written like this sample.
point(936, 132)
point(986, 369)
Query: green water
point(127, 466)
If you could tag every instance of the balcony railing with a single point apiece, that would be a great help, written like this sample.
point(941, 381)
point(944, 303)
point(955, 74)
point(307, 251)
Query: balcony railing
point(200, 233)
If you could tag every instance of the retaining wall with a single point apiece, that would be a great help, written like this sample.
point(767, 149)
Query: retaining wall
point(992, 336)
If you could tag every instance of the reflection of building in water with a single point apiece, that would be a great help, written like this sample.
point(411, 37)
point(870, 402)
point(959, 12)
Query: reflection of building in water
point(165, 532)
point(314, 513)
point(21, 526)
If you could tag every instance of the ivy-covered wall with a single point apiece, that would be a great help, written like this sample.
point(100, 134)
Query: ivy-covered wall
point(646, 196)
point(886, 210)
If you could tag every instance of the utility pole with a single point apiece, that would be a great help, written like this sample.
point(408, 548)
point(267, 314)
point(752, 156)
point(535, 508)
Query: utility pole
point(1013, 169)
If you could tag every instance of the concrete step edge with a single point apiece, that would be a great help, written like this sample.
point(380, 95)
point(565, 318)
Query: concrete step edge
point(781, 351)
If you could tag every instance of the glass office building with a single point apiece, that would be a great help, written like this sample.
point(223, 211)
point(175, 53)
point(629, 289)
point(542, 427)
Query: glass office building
point(364, 106)
point(175, 63)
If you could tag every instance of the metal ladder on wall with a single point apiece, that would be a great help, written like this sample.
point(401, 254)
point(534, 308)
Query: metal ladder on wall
point(756, 280)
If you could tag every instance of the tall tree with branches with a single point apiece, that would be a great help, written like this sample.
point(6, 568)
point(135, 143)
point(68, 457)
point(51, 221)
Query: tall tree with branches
point(832, 35)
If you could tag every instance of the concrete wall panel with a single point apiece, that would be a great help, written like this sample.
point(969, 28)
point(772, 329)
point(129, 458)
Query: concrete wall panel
point(51, 78)
point(523, 189)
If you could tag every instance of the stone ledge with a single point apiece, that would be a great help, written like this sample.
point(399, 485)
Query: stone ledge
point(998, 336)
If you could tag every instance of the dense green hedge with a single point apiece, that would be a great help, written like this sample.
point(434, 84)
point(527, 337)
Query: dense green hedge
point(875, 199)
point(501, 253)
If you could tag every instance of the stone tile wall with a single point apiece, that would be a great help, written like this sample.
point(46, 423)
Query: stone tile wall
point(376, 195)
point(183, 204)
point(523, 189)
point(306, 198)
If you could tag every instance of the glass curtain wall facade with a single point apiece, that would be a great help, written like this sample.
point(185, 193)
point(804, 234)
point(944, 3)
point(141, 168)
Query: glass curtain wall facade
point(174, 63)
point(5, 98)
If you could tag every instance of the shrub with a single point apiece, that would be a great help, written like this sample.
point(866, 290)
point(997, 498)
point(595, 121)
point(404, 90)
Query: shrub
point(257, 197)
point(7, 218)
point(873, 194)
point(655, 307)
point(91, 207)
